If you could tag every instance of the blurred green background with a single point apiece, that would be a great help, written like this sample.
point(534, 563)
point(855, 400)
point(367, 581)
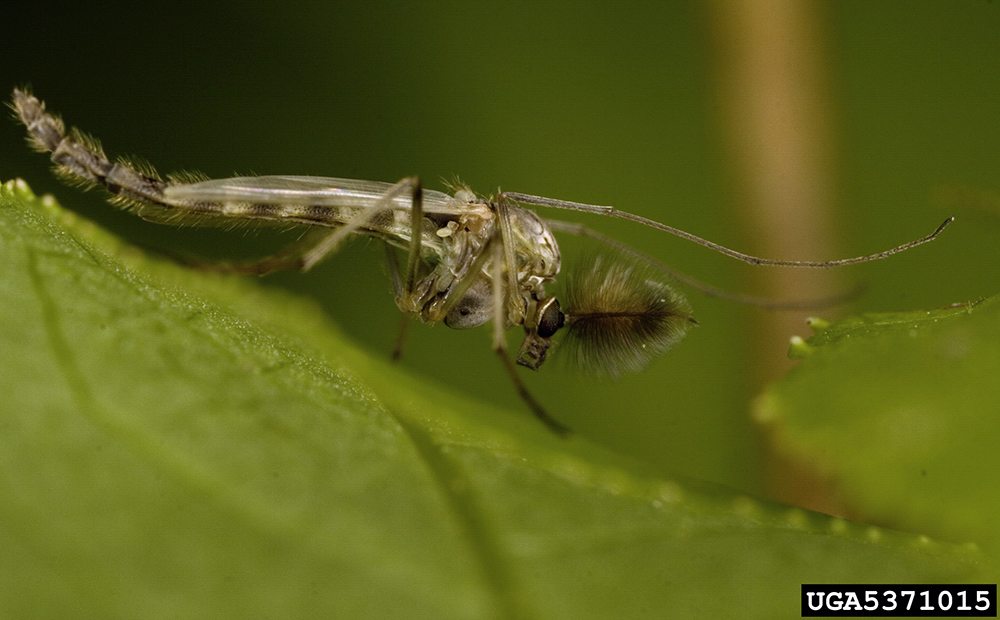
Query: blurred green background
point(628, 104)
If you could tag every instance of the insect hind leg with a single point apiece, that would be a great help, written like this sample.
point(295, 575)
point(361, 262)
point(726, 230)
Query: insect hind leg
point(286, 259)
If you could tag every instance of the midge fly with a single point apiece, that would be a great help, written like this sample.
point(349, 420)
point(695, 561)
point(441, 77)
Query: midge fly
point(469, 259)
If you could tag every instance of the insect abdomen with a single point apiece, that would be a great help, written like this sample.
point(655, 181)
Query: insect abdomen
point(80, 158)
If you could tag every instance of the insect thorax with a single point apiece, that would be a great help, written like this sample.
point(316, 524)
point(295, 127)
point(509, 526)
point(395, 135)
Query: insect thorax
point(465, 237)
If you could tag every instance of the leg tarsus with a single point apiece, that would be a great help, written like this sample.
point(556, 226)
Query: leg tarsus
point(270, 264)
point(397, 350)
point(554, 425)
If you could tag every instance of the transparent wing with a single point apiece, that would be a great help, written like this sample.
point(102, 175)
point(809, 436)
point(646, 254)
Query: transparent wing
point(302, 190)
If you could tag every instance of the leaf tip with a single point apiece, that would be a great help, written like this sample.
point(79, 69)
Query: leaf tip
point(18, 188)
point(817, 324)
point(798, 348)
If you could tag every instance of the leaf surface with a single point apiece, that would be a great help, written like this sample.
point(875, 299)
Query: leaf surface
point(182, 444)
point(900, 410)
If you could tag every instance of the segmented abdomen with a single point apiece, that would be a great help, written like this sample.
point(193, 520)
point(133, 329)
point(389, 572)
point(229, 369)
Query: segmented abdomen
point(79, 158)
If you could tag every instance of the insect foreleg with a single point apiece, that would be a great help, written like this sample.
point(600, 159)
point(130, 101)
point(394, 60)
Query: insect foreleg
point(500, 345)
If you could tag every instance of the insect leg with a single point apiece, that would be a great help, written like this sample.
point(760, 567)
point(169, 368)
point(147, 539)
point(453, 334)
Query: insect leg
point(393, 264)
point(289, 257)
point(404, 325)
point(554, 425)
point(500, 307)
point(397, 289)
point(506, 234)
point(416, 234)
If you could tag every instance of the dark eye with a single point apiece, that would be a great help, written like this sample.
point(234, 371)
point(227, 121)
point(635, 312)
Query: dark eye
point(551, 320)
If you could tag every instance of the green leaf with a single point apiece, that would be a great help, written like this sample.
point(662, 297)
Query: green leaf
point(182, 444)
point(901, 411)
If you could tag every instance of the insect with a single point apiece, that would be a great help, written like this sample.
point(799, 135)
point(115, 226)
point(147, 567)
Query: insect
point(469, 259)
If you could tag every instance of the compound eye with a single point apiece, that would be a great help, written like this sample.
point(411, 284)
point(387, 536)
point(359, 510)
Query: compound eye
point(474, 309)
point(551, 319)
